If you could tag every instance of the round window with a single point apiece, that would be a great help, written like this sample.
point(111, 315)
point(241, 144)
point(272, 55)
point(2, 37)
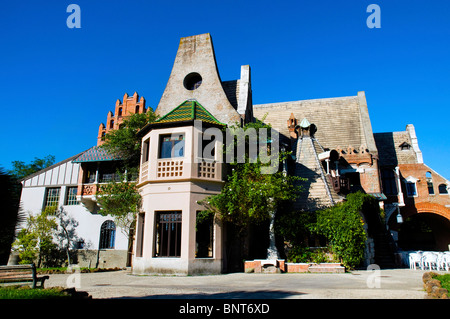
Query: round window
point(192, 81)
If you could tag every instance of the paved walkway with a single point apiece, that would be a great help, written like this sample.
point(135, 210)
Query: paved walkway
point(386, 284)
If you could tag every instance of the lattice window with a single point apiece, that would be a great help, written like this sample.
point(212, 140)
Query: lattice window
point(71, 198)
point(207, 169)
point(170, 169)
point(52, 197)
point(144, 172)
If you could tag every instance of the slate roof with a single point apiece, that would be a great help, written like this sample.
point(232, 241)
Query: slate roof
point(318, 192)
point(95, 154)
point(187, 111)
point(231, 89)
point(390, 152)
point(340, 122)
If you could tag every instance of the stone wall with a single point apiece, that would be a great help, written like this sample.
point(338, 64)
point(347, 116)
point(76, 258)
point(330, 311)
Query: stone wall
point(107, 258)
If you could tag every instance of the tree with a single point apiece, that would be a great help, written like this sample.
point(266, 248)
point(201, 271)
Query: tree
point(12, 216)
point(35, 241)
point(249, 196)
point(21, 170)
point(67, 226)
point(43, 238)
point(122, 201)
point(124, 142)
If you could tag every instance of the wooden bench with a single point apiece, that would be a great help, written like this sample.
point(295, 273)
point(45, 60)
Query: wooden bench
point(21, 274)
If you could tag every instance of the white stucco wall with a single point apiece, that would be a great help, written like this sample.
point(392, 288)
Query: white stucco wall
point(64, 175)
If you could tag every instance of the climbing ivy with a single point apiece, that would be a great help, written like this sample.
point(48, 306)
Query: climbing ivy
point(343, 226)
point(249, 196)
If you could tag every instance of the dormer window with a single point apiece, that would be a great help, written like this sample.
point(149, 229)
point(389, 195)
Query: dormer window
point(405, 146)
point(171, 145)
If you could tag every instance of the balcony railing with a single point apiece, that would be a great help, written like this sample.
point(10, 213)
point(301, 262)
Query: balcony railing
point(173, 169)
point(169, 168)
point(207, 169)
point(144, 172)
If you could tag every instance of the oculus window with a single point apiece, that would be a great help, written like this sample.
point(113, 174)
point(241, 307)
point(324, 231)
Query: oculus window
point(192, 81)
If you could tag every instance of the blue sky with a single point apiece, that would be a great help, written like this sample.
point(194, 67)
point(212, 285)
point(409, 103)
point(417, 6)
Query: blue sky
point(57, 84)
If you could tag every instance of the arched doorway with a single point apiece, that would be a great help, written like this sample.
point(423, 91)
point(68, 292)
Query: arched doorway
point(424, 231)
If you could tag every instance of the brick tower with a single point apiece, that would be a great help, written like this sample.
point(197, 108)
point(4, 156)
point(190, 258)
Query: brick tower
point(130, 105)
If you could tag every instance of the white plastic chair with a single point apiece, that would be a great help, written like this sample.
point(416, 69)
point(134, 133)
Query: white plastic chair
point(440, 261)
point(445, 262)
point(430, 261)
point(414, 260)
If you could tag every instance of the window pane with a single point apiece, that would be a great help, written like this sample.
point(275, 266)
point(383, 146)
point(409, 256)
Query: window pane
point(52, 198)
point(165, 147)
point(72, 196)
point(168, 234)
point(389, 182)
point(107, 235)
point(178, 149)
point(411, 189)
point(204, 236)
point(171, 146)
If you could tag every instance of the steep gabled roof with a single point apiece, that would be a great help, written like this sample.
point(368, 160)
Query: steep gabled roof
point(189, 110)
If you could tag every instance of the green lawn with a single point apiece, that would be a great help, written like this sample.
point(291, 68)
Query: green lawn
point(15, 292)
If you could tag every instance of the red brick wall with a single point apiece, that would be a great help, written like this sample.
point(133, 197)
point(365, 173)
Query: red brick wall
point(128, 106)
point(424, 202)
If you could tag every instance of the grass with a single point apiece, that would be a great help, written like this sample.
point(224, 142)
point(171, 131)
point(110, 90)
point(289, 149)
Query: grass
point(445, 281)
point(63, 270)
point(16, 292)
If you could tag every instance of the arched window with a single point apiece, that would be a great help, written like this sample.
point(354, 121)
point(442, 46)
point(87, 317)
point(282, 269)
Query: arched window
point(107, 235)
point(443, 189)
point(430, 183)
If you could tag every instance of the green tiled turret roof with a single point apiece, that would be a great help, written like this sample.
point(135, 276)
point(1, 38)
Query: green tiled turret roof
point(187, 111)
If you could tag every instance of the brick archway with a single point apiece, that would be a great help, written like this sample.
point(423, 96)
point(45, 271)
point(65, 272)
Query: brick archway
point(434, 209)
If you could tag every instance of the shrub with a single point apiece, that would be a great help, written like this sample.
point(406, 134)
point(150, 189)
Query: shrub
point(343, 226)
